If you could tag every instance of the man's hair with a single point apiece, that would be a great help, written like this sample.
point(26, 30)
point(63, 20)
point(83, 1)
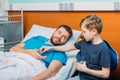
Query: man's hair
point(68, 29)
point(92, 21)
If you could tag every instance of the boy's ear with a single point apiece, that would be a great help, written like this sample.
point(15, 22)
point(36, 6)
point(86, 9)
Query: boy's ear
point(94, 30)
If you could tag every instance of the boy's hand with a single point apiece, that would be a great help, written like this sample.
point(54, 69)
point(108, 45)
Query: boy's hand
point(43, 49)
point(81, 67)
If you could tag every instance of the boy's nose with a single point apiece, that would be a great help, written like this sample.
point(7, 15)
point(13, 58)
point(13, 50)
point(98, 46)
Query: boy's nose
point(82, 35)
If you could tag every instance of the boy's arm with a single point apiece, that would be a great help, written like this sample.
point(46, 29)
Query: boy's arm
point(104, 73)
point(58, 48)
point(51, 71)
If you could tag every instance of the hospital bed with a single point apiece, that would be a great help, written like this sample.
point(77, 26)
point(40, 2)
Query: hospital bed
point(66, 71)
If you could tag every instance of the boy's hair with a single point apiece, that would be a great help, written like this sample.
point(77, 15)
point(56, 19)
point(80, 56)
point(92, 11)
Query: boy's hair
point(68, 29)
point(92, 21)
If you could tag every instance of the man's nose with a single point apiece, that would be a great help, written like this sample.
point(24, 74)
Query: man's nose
point(59, 36)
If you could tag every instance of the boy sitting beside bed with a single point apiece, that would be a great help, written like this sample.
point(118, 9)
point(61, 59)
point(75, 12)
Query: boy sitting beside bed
point(52, 60)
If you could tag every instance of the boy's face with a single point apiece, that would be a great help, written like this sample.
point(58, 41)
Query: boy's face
point(88, 34)
point(60, 36)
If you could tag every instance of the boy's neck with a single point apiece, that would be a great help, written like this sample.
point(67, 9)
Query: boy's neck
point(97, 40)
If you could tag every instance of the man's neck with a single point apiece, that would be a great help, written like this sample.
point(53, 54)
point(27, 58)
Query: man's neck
point(48, 42)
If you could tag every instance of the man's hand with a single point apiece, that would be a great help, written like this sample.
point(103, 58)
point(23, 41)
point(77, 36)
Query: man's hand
point(36, 55)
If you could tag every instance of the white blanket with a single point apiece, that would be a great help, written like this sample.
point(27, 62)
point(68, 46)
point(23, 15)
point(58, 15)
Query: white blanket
point(18, 66)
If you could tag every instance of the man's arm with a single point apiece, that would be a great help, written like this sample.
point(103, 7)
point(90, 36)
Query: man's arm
point(19, 48)
point(53, 68)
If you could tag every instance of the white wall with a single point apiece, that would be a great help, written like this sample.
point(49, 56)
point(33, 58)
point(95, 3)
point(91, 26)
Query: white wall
point(3, 7)
point(69, 6)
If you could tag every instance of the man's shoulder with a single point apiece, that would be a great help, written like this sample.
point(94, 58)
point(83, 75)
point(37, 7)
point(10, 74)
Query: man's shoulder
point(39, 37)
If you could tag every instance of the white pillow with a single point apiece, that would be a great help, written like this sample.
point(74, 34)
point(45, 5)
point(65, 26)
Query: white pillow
point(47, 32)
point(39, 30)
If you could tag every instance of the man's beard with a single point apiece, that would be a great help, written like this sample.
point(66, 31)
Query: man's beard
point(55, 44)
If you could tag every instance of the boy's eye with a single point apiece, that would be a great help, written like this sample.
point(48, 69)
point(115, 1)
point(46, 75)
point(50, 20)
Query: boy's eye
point(83, 32)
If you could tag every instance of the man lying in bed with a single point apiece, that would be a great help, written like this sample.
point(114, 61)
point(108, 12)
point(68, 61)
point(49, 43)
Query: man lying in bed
point(51, 59)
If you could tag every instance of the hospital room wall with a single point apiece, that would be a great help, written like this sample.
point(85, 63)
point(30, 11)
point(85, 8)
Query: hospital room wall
point(111, 24)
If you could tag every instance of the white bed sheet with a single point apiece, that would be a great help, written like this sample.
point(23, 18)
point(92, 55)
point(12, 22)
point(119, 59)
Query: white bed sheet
point(19, 66)
point(23, 66)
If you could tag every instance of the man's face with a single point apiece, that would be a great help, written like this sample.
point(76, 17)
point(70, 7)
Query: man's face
point(59, 37)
